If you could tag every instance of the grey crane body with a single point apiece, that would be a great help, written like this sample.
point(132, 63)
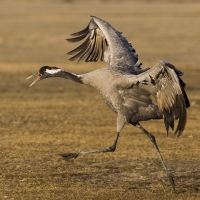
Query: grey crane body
point(112, 83)
point(126, 88)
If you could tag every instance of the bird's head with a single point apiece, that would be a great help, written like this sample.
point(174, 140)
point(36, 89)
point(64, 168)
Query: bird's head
point(45, 72)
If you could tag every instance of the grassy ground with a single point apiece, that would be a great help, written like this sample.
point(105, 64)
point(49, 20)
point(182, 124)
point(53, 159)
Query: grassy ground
point(57, 116)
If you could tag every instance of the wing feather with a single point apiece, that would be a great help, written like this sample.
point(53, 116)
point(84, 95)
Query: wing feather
point(77, 39)
point(80, 48)
point(164, 84)
point(92, 48)
point(83, 32)
point(105, 44)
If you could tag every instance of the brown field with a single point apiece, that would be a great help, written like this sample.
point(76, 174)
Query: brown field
point(58, 116)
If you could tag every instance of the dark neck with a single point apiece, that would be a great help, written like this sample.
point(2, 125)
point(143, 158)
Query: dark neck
point(68, 75)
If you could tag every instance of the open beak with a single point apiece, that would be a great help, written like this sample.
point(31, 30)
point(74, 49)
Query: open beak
point(37, 79)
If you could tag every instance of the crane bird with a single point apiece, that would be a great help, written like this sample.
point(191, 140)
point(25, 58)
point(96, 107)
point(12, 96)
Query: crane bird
point(126, 88)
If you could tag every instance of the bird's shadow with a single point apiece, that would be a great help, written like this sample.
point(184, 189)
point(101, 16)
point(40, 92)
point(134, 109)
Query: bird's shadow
point(185, 182)
point(188, 181)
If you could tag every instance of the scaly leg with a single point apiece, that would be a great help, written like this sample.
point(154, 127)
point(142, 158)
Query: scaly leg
point(76, 154)
point(153, 140)
point(120, 124)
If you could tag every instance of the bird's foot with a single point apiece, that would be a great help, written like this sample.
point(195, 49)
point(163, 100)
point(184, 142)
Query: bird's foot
point(67, 156)
point(111, 149)
point(171, 180)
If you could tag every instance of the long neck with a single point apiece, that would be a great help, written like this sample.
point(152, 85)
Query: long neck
point(68, 75)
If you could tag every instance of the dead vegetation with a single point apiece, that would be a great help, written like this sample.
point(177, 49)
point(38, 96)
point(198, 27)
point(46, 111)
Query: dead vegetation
point(57, 116)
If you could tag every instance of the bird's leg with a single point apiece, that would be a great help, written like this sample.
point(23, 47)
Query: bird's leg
point(121, 121)
point(76, 154)
point(153, 140)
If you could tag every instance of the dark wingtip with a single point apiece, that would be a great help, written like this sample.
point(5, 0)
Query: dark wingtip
point(177, 133)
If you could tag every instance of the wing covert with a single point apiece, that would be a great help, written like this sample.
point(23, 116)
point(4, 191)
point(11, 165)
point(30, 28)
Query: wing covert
point(163, 82)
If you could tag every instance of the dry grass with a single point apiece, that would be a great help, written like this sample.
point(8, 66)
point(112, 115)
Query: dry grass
point(57, 116)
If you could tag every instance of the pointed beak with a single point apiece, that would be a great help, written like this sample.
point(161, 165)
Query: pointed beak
point(37, 79)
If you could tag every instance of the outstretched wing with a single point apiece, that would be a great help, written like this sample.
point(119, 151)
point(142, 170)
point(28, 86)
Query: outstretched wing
point(163, 82)
point(103, 43)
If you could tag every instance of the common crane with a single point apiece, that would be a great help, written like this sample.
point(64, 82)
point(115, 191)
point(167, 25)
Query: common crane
point(125, 87)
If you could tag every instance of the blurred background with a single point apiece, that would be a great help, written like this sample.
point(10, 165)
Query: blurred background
point(33, 33)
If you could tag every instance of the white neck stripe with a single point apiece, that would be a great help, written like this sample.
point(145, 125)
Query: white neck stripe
point(53, 71)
